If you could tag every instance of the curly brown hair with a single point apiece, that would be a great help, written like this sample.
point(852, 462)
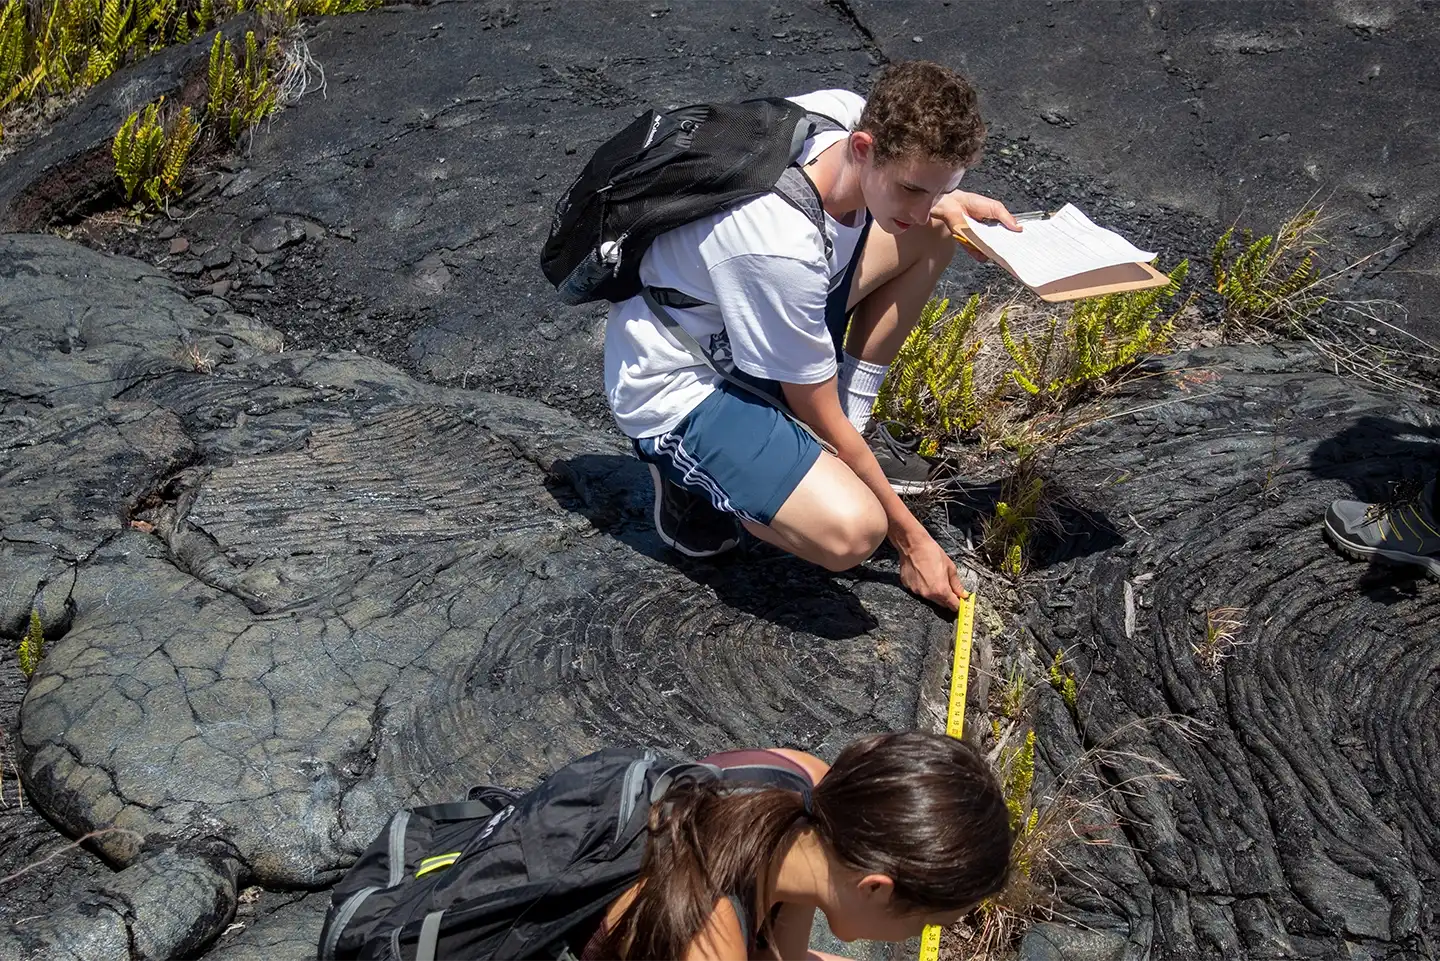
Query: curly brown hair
point(921, 109)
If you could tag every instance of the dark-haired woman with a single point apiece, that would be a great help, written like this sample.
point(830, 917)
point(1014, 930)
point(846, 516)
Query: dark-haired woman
point(904, 830)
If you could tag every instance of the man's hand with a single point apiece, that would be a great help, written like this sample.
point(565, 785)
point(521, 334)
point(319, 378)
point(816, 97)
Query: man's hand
point(956, 208)
point(928, 572)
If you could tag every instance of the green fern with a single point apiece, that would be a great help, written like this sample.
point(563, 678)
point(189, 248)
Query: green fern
point(180, 137)
point(112, 40)
point(1063, 681)
point(1019, 779)
point(151, 154)
point(241, 93)
point(1099, 336)
point(1006, 541)
point(931, 387)
point(1269, 280)
point(32, 645)
point(13, 45)
point(137, 147)
point(1012, 695)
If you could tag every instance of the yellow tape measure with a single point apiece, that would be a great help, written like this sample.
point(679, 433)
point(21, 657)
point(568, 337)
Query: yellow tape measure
point(954, 725)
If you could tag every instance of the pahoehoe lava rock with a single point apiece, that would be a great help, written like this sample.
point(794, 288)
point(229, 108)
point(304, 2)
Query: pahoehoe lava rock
point(1307, 824)
point(286, 591)
point(299, 591)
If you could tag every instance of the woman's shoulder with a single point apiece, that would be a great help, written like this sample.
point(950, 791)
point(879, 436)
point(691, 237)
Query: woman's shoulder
point(812, 766)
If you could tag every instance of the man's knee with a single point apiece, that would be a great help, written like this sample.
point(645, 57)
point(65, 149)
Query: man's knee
point(938, 244)
point(852, 533)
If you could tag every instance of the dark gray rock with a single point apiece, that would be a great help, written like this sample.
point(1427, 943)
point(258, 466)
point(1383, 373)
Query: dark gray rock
point(1057, 942)
point(361, 591)
point(217, 258)
point(273, 233)
point(1222, 111)
point(1307, 813)
point(168, 905)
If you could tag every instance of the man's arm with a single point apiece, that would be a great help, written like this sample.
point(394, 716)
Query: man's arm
point(925, 569)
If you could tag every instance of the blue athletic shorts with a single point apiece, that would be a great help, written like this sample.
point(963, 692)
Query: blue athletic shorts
point(737, 450)
point(742, 453)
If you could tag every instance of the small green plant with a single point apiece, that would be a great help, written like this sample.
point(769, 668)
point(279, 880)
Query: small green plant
point(32, 645)
point(931, 388)
point(1063, 681)
point(1270, 280)
point(1019, 777)
point(1071, 354)
point(1012, 695)
point(12, 44)
point(151, 152)
point(1077, 807)
point(1007, 534)
point(1222, 635)
point(242, 93)
point(51, 48)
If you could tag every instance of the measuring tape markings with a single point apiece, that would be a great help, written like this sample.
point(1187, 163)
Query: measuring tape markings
point(954, 725)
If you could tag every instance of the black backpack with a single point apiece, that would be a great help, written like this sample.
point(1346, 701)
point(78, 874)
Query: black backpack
point(513, 876)
point(665, 170)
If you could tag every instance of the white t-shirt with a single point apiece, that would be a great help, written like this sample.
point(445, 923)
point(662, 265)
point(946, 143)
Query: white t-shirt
point(761, 270)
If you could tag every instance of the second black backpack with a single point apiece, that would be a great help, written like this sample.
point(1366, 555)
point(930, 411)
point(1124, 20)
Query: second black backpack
point(510, 875)
point(668, 169)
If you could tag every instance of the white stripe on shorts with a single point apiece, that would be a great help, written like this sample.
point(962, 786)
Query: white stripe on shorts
point(695, 476)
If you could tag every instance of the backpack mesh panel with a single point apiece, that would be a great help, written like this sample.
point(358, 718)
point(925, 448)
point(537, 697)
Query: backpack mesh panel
point(737, 152)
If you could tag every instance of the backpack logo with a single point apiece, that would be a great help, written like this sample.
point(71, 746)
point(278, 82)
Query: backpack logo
point(650, 137)
point(499, 818)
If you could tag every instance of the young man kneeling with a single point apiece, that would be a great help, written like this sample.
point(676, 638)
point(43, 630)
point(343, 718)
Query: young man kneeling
point(816, 331)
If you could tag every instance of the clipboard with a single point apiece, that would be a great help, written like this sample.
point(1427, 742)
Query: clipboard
point(1119, 279)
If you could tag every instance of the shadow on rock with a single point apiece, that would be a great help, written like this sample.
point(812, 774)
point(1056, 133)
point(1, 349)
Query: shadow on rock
point(1382, 459)
point(614, 493)
point(1066, 529)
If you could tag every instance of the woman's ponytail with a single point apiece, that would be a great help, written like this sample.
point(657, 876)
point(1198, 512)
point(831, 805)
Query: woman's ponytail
point(705, 843)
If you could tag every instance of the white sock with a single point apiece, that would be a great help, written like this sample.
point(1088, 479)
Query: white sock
point(859, 381)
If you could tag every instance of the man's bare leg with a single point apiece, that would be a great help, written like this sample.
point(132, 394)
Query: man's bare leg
point(895, 279)
point(831, 518)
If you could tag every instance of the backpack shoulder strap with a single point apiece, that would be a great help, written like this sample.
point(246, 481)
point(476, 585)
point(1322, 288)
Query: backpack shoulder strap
point(799, 191)
point(744, 916)
point(768, 775)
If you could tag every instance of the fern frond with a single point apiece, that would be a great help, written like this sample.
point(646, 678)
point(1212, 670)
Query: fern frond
point(32, 645)
point(12, 46)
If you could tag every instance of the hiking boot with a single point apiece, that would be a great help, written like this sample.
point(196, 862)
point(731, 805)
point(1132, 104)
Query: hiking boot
point(688, 522)
point(897, 450)
point(1404, 533)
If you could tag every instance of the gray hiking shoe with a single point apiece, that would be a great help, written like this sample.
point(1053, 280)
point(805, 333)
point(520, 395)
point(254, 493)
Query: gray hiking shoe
point(1404, 533)
point(688, 522)
point(897, 450)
